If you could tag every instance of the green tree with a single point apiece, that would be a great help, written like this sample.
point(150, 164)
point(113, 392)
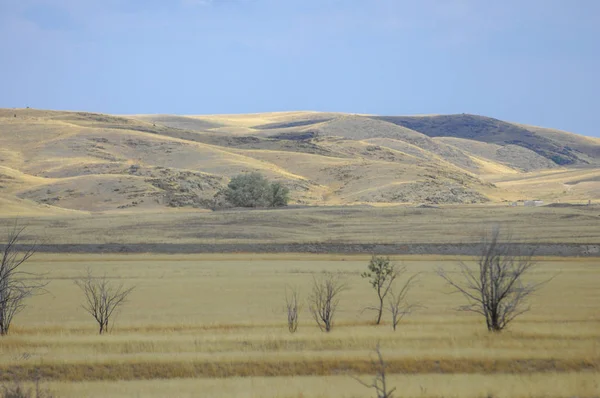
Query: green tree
point(254, 190)
point(248, 190)
point(279, 195)
point(381, 275)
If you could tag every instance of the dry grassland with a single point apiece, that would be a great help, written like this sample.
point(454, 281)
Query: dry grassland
point(55, 162)
point(343, 224)
point(214, 326)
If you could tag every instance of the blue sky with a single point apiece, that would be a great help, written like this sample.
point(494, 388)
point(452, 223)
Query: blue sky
point(529, 61)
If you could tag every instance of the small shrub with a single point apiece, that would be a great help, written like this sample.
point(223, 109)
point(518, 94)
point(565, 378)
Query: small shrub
point(292, 305)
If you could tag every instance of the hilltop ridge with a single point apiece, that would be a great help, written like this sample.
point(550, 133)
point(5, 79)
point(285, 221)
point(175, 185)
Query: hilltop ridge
point(82, 161)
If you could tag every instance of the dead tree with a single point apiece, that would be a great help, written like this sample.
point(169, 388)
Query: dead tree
point(495, 288)
point(379, 382)
point(16, 285)
point(292, 305)
point(102, 298)
point(324, 299)
point(381, 274)
point(398, 306)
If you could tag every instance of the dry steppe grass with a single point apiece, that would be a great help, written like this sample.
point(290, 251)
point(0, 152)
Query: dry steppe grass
point(338, 225)
point(214, 325)
point(548, 385)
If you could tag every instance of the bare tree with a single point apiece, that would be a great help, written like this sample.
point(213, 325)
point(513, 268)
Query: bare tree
point(398, 306)
point(382, 273)
point(379, 382)
point(324, 299)
point(495, 288)
point(16, 285)
point(292, 305)
point(103, 298)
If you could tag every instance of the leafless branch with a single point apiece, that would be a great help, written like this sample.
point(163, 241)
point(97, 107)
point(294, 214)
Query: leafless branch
point(16, 285)
point(324, 299)
point(398, 305)
point(102, 298)
point(379, 382)
point(495, 288)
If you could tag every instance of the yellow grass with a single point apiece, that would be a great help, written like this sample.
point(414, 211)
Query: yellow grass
point(394, 224)
point(553, 185)
point(430, 385)
point(213, 325)
point(254, 119)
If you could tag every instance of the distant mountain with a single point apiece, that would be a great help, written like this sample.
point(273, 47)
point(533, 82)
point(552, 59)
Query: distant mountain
point(54, 161)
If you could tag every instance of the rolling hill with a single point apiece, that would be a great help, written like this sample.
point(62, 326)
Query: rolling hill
point(53, 161)
point(560, 147)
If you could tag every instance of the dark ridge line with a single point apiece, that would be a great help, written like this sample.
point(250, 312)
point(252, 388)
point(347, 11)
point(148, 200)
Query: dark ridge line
point(469, 249)
point(76, 372)
point(298, 123)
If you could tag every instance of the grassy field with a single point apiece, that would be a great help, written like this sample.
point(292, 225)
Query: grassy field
point(214, 326)
point(351, 224)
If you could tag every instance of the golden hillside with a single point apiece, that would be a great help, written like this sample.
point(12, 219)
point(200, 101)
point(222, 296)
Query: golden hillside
point(54, 161)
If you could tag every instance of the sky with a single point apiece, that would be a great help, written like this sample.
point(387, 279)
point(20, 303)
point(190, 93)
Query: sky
point(527, 61)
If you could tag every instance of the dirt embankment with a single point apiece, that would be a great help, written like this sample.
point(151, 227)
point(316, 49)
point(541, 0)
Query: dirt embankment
point(547, 249)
